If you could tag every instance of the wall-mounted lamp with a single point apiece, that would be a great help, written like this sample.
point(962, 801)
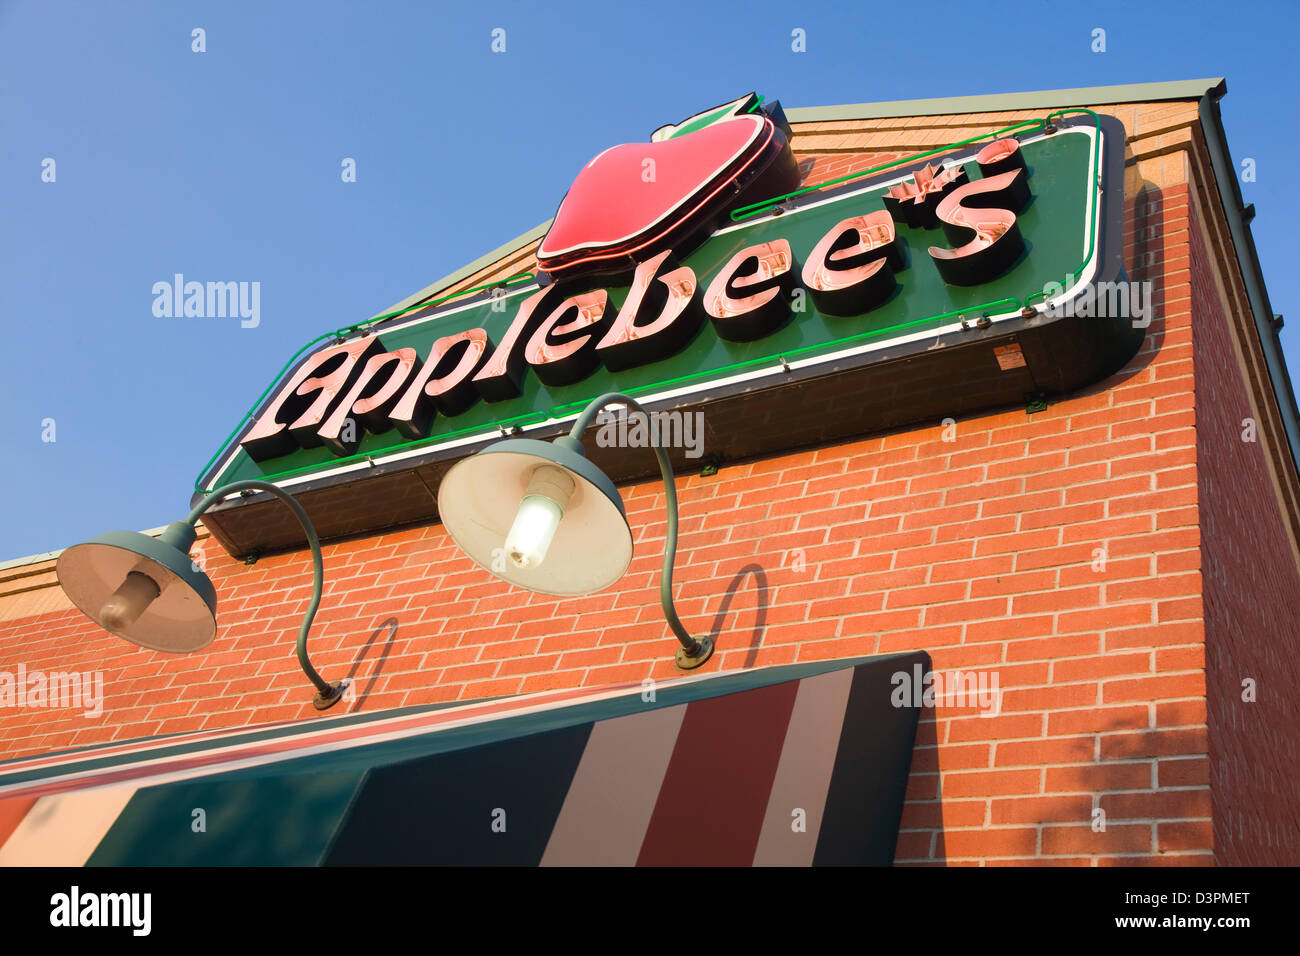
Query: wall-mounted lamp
point(147, 590)
point(542, 516)
point(537, 514)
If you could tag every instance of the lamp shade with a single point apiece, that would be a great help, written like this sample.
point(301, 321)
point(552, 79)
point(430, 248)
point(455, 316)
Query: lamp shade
point(181, 618)
point(480, 496)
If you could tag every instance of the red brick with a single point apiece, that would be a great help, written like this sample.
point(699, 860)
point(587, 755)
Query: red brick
point(1047, 648)
point(980, 783)
point(1057, 808)
point(1162, 687)
point(1099, 719)
point(1021, 503)
point(965, 611)
point(1070, 554)
point(1185, 835)
point(952, 757)
point(1029, 464)
point(1158, 804)
point(948, 813)
point(1111, 450)
point(1096, 777)
point(1157, 635)
point(1068, 477)
point(1095, 667)
point(1103, 618)
point(928, 595)
point(1183, 772)
point(1056, 600)
point(1155, 743)
point(1005, 727)
point(1053, 697)
point(976, 568)
point(1035, 753)
point(995, 841)
point(1013, 584)
point(1099, 532)
point(1083, 839)
point(1164, 586)
point(1181, 658)
point(1116, 570)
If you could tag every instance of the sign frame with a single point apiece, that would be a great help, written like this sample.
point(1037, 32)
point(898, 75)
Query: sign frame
point(1105, 345)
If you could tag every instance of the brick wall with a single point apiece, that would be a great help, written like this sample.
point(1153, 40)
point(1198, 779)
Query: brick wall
point(1061, 550)
point(1103, 653)
point(1252, 602)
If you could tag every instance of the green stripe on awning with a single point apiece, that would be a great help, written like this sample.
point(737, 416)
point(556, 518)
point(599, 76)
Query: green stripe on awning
point(492, 805)
point(275, 818)
point(868, 769)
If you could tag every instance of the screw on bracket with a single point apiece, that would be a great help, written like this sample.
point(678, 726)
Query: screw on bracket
point(1035, 402)
point(253, 555)
point(711, 465)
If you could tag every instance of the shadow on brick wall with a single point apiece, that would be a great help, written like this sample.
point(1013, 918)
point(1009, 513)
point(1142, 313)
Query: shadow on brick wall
point(359, 697)
point(760, 609)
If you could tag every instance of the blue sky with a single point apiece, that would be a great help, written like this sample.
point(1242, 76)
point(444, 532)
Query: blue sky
point(225, 166)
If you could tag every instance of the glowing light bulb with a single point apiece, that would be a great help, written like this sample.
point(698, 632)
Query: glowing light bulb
point(534, 528)
point(128, 602)
point(539, 516)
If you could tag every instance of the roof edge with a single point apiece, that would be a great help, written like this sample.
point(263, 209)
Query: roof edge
point(1247, 254)
point(44, 556)
point(1000, 102)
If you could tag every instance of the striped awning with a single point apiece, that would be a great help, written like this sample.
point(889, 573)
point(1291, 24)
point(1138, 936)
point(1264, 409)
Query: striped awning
point(793, 765)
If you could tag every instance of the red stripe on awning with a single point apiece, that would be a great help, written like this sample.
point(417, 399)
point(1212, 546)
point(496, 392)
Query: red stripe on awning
point(714, 796)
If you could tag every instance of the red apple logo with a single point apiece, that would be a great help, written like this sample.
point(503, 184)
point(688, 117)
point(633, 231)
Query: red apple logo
point(637, 200)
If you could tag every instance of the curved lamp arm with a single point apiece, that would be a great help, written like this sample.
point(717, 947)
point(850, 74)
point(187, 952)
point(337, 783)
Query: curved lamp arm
point(327, 694)
point(693, 652)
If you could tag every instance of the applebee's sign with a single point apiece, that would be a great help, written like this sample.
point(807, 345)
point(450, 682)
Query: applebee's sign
point(663, 275)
